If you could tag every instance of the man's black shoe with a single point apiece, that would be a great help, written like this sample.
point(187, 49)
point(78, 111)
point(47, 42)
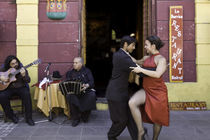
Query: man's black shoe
point(14, 119)
point(85, 116)
point(85, 120)
point(112, 138)
point(75, 123)
point(30, 122)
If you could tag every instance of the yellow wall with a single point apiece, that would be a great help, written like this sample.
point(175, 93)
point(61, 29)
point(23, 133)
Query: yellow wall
point(27, 35)
point(200, 90)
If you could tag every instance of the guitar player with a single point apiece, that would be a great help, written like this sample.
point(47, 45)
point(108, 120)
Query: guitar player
point(18, 87)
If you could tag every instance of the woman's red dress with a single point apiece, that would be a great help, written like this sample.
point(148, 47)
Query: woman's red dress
point(155, 109)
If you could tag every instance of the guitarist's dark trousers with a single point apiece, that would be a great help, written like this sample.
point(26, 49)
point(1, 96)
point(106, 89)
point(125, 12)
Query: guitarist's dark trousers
point(24, 93)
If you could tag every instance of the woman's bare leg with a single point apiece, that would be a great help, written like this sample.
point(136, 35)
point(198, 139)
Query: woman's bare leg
point(156, 131)
point(136, 100)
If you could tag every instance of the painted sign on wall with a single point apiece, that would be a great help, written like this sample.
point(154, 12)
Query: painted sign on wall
point(176, 44)
point(188, 106)
point(56, 9)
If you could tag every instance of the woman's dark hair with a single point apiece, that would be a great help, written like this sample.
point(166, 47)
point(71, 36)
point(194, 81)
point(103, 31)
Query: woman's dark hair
point(155, 40)
point(127, 39)
point(8, 60)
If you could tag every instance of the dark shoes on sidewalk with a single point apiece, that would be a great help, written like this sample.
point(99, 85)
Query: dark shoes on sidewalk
point(85, 120)
point(14, 119)
point(30, 122)
point(112, 138)
point(75, 123)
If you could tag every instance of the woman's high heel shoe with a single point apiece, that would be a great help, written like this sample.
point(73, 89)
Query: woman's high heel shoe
point(145, 133)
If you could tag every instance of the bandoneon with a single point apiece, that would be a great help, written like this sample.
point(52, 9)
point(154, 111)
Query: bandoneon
point(70, 87)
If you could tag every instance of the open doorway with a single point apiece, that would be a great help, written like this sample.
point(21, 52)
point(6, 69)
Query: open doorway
point(106, 22)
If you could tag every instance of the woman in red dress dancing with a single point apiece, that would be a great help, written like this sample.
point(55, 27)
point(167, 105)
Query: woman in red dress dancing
point(153, 97)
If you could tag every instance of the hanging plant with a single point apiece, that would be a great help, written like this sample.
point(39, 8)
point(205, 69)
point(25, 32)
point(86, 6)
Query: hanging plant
point(56, 9)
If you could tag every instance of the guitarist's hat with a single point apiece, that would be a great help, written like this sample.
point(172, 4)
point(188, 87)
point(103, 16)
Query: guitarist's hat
point(56, 75)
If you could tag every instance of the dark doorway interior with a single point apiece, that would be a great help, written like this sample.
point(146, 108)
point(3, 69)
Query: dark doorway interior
point(107, 21)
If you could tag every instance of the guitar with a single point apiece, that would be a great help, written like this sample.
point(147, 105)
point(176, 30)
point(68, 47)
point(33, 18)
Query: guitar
point(11, 73)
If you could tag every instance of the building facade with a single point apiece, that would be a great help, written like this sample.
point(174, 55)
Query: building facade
point(27, 32)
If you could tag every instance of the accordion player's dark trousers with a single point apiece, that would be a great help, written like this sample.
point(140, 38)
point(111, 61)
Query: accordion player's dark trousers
point(76, 114)
point(80, 106)
point(74, 111)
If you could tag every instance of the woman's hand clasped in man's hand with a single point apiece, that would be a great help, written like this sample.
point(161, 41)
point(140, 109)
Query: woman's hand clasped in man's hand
point(136, 69)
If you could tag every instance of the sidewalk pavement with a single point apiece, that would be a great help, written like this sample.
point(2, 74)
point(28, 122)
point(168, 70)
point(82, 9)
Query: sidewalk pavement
point(184, 125)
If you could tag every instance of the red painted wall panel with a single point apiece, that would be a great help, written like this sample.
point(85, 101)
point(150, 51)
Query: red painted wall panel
point(59, 32)
point(58, 52)
point(59, 40)
point(189, 72)
point(7, 29)
point(188, 30)
point(61, 67)
point(7, 11)
point(164, 50)
point(7, 48)
point(165, 76)
point(162, 8)
point(189, 50)
point(163, 29)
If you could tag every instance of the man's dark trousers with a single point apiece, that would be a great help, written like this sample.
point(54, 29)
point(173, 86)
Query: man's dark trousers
point(121, 117)
point(24, 93)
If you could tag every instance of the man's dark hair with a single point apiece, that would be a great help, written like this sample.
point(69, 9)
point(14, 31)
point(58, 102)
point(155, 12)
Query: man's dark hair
point(127, 39)
point(8, 60)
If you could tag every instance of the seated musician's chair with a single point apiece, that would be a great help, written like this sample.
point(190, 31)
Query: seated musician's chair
point(15, 98)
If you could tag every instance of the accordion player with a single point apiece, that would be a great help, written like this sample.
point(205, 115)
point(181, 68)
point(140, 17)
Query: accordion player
point(81, 104)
